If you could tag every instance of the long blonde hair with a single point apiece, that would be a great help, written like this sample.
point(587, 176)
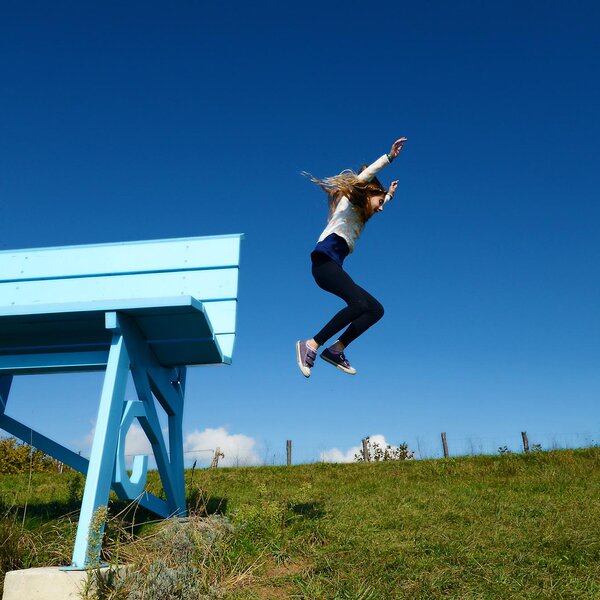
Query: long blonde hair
point(348, 185)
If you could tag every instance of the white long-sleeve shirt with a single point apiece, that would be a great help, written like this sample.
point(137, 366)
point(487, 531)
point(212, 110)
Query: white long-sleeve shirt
point(346, 220)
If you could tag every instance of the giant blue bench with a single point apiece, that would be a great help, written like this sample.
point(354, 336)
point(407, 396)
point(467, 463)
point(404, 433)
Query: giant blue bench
point(148, 308)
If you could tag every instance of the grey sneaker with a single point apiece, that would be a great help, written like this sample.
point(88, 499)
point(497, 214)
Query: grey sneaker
point(338, 359)
point(306, 357)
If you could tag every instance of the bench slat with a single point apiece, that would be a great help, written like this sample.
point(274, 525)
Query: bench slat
point(226, 343)
point(127, 257)
point(214, 284)
point(222, 315)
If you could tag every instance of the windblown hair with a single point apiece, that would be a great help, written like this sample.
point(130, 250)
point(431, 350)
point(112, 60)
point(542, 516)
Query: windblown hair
point(347, 184)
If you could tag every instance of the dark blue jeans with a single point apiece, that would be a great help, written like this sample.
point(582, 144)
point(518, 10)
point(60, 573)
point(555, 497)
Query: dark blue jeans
point(362, 311)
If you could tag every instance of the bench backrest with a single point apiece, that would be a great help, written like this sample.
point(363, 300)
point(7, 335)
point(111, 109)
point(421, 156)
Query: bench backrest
point(205, 268)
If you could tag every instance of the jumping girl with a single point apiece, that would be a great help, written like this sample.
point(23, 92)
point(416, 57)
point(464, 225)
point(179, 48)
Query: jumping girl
point(353, 200)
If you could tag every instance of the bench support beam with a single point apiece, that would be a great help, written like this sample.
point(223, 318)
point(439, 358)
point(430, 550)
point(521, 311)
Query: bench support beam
point(106, 468)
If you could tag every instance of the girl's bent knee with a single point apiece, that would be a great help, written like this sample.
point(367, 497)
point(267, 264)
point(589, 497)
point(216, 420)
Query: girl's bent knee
point(378, 311)
point(361, 306)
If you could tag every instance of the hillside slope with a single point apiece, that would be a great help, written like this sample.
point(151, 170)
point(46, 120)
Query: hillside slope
point(512, 526)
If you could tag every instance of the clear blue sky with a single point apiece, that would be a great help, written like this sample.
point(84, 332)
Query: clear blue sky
point(144, 120)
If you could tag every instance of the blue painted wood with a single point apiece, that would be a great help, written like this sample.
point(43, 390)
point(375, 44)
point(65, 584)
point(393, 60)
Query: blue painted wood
point(134, 306)
point(226, 344)
point(43, 443)
point(130, 486)
point(149, 308)
point(104, 446)
point(209, 284)
point(64, 362)
point(222, 315)
point(146, 256)
point(179, 328)
point(33, 437)
point(5, 385)
point(144, 368)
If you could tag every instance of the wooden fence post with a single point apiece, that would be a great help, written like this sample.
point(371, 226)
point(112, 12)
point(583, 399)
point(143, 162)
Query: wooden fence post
point(365, 450)
point(215, 460)
point(445, 444)
point(289, 452)
point(525, 441)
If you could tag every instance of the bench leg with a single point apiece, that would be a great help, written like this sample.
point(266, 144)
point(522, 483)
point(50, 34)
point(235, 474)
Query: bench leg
point(102, 459)
point(5, 383)
point(167, 386)
point(130, 352)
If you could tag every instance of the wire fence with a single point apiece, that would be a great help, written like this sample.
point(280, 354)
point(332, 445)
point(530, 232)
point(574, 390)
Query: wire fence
point(420, 447)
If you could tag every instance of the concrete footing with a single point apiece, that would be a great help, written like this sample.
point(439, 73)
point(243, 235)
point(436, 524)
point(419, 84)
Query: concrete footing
point(45, 583)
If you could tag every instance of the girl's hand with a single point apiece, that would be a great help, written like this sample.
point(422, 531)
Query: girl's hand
point(397, 146)
point(393, 187)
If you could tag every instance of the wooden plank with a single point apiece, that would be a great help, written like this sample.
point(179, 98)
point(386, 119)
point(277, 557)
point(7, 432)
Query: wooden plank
point(85, 330)
point(37, 313)
point(45, 444)
point(63, 362)
point(127, 257)
point(226, 343)
point(194, 352)
point(222, 315)
point(171, 321)
point(213, 284)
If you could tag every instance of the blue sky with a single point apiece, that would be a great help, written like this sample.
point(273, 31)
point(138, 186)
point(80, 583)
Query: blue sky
point(129, 121)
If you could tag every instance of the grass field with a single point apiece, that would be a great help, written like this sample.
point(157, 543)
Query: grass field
point(510, 526)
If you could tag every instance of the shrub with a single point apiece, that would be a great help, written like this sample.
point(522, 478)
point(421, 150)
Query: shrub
point(17, 457)
point(377, 453)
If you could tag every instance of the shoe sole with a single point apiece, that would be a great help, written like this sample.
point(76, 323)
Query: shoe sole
point(352, 372)
point(305, 370)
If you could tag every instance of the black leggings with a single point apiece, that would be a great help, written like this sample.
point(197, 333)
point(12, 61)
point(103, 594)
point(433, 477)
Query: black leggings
point(362, 311)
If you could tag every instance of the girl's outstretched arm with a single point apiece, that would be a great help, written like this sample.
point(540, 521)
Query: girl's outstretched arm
point(382, 161)
point(397, 148)
point(391, 191)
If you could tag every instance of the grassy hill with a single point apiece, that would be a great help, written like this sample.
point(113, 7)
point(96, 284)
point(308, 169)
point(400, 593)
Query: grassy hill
point(511, 526)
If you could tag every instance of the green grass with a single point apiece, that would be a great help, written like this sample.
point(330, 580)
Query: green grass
point(513, 526)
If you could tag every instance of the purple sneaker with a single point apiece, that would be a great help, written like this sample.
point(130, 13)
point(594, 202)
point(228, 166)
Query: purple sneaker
point(338, 359)
point(306, 357)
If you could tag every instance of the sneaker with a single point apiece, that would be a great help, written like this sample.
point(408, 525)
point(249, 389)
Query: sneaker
point(306, 357)
point(339, 360)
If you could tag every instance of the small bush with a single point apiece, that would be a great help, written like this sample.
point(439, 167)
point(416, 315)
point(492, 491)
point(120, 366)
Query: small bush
point(17, 457)
point(377, 453)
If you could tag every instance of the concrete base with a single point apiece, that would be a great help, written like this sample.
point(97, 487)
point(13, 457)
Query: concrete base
point(45, 583)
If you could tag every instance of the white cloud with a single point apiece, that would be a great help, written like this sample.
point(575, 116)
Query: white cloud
point(339, 456)
point(239, 449)
point(137, 442)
